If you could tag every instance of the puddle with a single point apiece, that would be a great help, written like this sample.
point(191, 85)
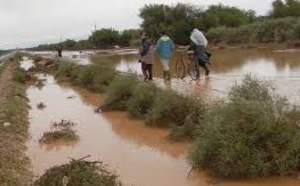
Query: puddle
point(26, 63)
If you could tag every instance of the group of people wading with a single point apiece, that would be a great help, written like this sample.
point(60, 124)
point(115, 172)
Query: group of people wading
point(165, 48)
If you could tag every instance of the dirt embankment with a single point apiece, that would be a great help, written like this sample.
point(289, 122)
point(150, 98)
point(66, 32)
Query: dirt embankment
point(14, 165)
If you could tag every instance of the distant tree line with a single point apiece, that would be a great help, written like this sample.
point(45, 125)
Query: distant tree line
point(224, 23)
point(104, 38)
point(221, 24)
point(180, 19)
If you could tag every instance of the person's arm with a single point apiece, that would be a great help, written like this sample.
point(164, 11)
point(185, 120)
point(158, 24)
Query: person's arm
point(158, 46)
point(192, 46)
point(172, 45)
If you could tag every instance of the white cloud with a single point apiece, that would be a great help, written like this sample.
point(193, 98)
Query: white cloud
point(27, 22)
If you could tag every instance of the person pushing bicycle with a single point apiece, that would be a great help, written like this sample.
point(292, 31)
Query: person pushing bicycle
point(200, 56)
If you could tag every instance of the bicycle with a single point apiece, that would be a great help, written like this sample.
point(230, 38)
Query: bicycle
point(185, 64)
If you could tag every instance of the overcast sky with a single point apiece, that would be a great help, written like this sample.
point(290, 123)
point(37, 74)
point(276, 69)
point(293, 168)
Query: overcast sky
point(25, 23)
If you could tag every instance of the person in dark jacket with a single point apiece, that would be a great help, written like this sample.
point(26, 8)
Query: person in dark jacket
point(146, 57)
point(59, 50)
point(198, 45)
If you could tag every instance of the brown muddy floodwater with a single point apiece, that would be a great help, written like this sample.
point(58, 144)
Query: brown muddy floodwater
point(282, 68)
point(142, 156)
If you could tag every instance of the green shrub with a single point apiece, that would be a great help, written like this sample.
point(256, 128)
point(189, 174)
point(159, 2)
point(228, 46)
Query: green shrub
point(78, 173)
point(191, 124)
point(37, 58)
point(66, 134)
point(142, 99)
point(62, 130)
point(119, 92)
point(253, 135)
point(171, 109)
point(11, 59)
point(252, 89)
point(66, 71)
point(297, 30)
point(267, 31)
point(19, 75)
point(217, 35)
point(97, 76)
point(135, 42)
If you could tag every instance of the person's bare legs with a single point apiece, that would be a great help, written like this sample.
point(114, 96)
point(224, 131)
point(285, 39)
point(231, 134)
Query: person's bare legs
point(144, 70)
point(205, 68)
point(149, 70)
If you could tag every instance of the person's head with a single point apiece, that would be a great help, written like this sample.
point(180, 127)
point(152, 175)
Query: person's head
point(162, 33)
point(144, 35)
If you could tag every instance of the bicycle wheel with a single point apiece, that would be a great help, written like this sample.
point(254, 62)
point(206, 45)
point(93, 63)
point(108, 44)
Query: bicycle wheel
point(180, 68)
point(193, 70)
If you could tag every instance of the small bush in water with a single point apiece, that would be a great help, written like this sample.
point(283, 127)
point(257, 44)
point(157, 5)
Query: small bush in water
point(253, 135)
point(60, 131)
point(78, 173)
point(171, 109)
point(66, 71)
point(97, 76)
point(142, 99)
point(191, 124)
point(119, 92)
point(252, 89)
point(62, 134)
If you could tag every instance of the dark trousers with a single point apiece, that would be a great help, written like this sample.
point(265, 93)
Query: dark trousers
point(204, 66)
point(59, 53)
point(147, 71)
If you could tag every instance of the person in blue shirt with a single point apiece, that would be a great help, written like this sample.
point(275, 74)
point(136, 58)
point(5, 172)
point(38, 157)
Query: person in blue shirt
point(165, 48)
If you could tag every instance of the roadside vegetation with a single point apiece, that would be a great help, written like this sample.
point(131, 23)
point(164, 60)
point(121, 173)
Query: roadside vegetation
point(95, 77)
point(158, 107)
point(14, 165)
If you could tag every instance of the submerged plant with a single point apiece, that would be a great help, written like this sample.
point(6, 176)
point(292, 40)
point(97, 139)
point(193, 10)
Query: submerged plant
point(78, 173)
point(60, 131)
point(41, 106)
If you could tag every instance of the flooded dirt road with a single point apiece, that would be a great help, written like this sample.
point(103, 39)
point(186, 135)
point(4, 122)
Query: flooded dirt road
point(228, 67)
point(140, 155)
point(282, 67)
